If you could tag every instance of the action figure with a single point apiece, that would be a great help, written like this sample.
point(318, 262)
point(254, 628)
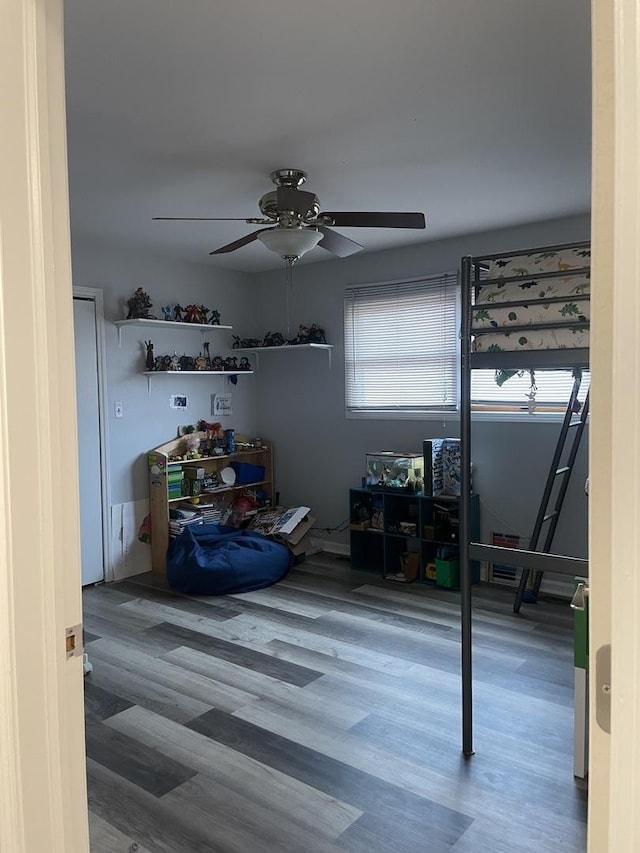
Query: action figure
point(150, 360)
point(139, 306)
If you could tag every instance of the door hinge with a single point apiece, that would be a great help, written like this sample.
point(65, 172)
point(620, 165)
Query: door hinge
point(73, 641)
point(603, 688)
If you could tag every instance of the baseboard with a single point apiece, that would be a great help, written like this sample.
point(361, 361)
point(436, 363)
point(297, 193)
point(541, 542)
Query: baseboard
point(563, 589)
point(332, 547)
point(560, 588)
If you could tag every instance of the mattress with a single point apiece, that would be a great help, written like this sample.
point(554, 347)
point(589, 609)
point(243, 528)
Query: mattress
point(569, 294)
point(535, 340)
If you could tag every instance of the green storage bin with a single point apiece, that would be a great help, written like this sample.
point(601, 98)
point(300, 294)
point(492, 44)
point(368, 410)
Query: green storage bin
point(448, 573)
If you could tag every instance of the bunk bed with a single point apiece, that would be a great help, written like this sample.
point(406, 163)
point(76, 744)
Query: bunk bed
point(521, 310)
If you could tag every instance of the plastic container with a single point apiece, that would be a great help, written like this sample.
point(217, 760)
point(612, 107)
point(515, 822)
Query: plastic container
point(447, 573)
point(247, 473)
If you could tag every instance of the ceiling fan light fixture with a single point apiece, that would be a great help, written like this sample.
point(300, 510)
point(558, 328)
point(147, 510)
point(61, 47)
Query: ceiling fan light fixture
point(290, 243)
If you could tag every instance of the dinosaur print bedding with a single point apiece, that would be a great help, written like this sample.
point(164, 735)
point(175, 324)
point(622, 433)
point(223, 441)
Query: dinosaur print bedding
point(549, 301)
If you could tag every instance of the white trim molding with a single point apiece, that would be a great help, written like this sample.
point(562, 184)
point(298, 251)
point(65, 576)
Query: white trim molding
point(96, 295)
point(624, 498)
point(42, 772)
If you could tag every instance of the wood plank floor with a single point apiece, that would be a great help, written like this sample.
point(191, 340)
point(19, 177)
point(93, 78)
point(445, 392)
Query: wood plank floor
point(323, 714)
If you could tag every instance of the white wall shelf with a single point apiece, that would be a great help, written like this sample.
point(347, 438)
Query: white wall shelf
point(203, 328)
point(150, 373)
point(287, 348)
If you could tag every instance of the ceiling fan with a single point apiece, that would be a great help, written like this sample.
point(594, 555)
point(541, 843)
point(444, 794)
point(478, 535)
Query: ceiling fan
point(298, 225)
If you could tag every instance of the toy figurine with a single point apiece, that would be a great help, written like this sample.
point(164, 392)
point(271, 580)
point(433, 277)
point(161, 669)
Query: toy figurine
point(167, 310)
point(207, 354)
point(150, 360)
point(214, 319)
point(200, 362)
point(192, 314)
point(139, 306)
point(244, 343)
point(309, 335)
point(231, 363)
point(158, 363)
point(193, 446)
point(174, 361)
point(186, 362)
point(217, 363)
point(245, 364)
point(273, 339)
point(177, 313)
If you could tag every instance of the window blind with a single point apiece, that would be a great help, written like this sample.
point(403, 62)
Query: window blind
point(553, 388)
point(401, 345)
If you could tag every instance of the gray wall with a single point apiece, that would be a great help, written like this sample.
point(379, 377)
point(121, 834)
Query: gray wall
point(319, 453)
point(148, 420)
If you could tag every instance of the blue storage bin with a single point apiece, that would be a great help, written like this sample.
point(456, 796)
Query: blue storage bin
point(247, 473)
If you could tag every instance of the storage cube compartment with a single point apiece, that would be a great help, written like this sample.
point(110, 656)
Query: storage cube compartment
point(366, 511)
point(402, 516)
point(402, 560)
point(367, 551)
point(392, 470)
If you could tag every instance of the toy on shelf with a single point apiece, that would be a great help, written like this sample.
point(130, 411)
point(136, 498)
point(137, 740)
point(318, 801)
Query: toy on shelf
point(313, 334)
point(309, 335)
point(244, 343)
point(273, 339)
point(195, 314)
point(139, 306)
point(150, 360)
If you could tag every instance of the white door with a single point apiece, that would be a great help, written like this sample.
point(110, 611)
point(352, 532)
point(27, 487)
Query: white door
point(43, 791)
point(614, 452)
point(89, 440)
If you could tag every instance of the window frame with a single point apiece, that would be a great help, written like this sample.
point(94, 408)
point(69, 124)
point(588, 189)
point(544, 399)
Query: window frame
point(389, 413)
point(487, 411)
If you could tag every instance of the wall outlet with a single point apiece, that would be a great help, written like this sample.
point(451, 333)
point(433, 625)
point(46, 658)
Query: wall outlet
point(118, 410)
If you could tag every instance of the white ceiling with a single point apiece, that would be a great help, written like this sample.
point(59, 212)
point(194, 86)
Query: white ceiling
point(476, 112)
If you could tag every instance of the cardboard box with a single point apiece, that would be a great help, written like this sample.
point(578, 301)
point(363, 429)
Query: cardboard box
point(290, 527)
point(409, 565)
point(194, 473)
point(298, 541)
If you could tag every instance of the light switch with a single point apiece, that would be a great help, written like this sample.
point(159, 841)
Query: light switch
point(118, 409)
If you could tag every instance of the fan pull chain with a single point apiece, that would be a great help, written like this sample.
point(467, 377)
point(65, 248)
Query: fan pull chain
point(288, 278)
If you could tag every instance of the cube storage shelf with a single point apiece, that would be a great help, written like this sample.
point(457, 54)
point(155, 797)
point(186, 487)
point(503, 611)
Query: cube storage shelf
point(388, 525)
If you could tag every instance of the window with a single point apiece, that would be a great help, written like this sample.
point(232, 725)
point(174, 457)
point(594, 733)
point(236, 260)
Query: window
point(402, 356)
point(553, 389)
point(401, 346)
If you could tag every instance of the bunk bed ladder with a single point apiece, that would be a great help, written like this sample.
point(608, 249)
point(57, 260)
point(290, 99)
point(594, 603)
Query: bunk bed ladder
point(556, 471)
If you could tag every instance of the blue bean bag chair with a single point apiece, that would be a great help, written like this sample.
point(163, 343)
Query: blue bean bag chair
point(208, 559)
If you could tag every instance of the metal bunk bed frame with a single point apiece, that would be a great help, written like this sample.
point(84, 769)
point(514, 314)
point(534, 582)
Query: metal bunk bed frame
point(536, 561)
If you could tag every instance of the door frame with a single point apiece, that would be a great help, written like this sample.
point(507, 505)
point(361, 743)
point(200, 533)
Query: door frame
point(96, 295)
point(42, 772)
point(43, 791)
point(614, 819)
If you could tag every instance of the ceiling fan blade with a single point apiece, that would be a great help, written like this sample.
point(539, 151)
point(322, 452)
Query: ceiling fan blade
point(337, 244)
point(197, 219)
point(238, 244)
point(362, 219)
point(299, 201)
